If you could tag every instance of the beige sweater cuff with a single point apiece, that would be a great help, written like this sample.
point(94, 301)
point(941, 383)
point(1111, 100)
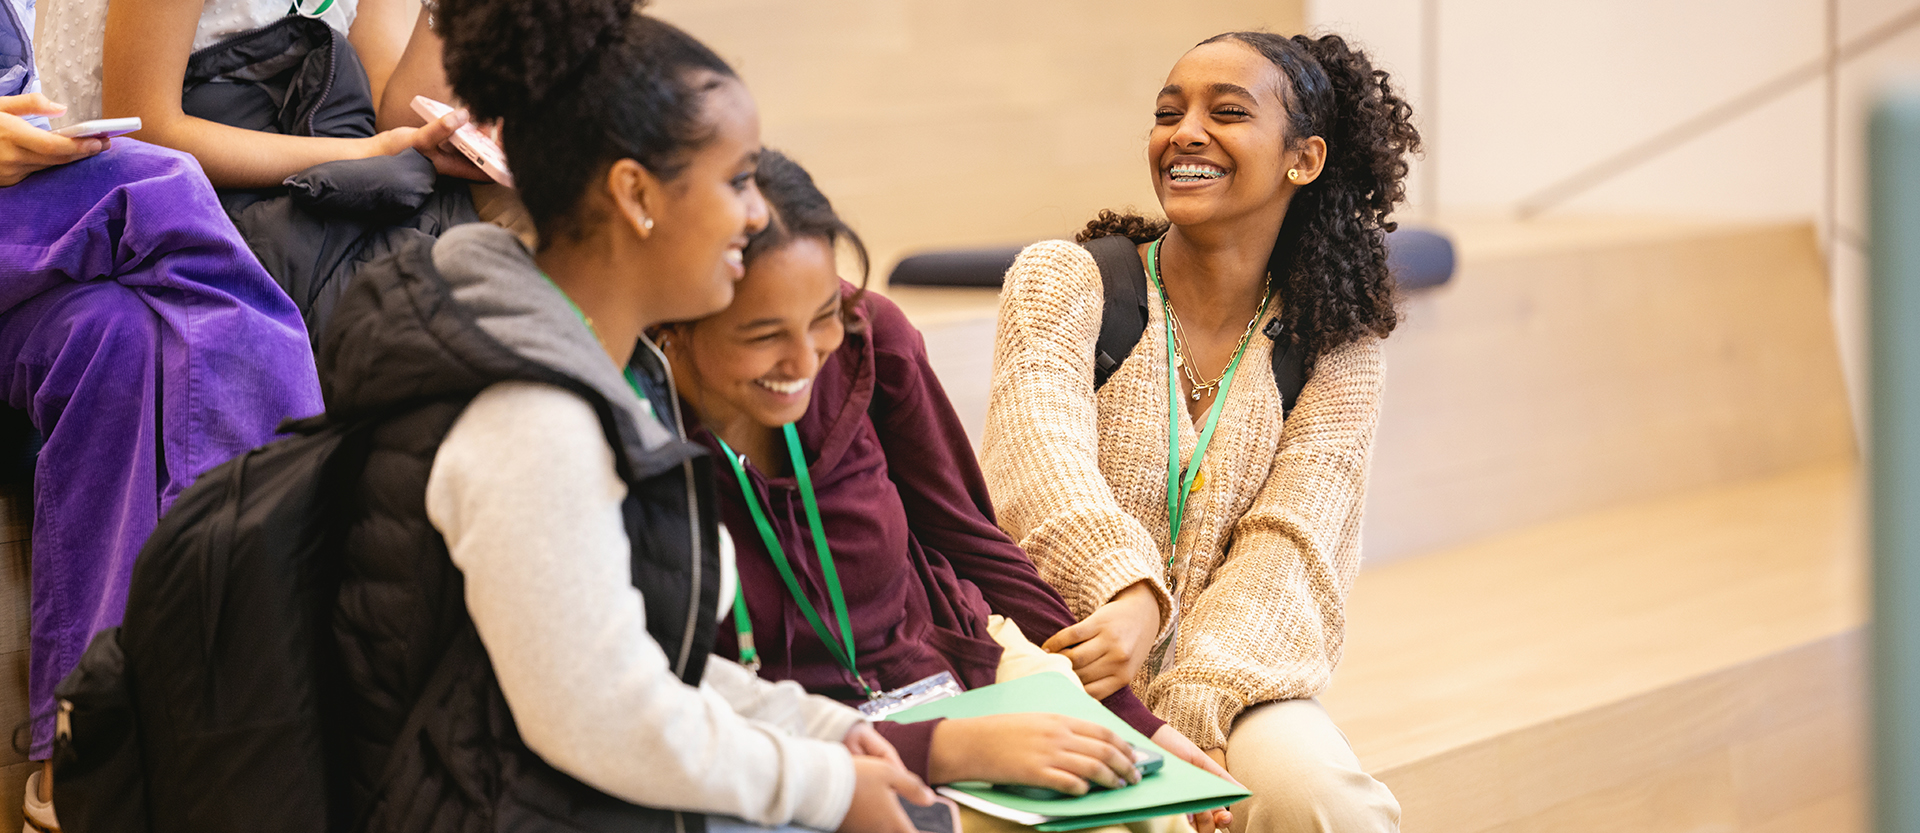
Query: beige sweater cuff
point(1203, 713)
point(1089, 556)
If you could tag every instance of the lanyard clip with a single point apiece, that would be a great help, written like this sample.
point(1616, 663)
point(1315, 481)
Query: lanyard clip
point(749, 655)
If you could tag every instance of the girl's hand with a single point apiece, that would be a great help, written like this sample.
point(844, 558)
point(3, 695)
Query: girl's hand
point(433, 140)
point(878, 787)
point(25, 149)
point(1212, 760)
point(1108, 647)
point(863, 740)
point(1042, 750)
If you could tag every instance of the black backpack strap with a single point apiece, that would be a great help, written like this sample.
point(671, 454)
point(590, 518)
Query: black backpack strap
point(1123, 320)
point(1123, 311)
point(1289, 365)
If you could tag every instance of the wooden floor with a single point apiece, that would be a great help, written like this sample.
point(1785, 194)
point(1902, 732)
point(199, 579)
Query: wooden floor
point(1691, 663)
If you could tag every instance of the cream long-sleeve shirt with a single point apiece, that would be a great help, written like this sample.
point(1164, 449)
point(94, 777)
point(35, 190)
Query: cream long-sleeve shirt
point(524, 490)
point(1270, 543)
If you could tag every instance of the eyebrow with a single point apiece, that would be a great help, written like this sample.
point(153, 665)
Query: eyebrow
point(1220, 88)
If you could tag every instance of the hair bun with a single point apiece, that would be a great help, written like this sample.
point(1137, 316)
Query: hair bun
point(503, 56)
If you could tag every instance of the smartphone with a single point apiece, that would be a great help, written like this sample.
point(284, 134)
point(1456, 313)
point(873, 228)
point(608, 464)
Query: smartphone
point(1145, 761)
point(942, 816)
point(99, 128)
point(483, 152)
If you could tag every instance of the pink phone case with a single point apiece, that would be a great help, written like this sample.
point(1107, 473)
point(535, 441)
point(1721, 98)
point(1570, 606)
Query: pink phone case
point(483, 152)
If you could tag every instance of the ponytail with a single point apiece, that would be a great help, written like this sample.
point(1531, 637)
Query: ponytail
point(1329, 261)
point(578, 85)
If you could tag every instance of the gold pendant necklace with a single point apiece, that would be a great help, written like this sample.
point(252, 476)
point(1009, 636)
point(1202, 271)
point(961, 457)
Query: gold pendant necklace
point(1180, 351)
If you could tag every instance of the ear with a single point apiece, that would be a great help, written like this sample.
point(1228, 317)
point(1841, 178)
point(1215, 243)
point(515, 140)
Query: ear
point(664, 335)
point(1309, 160)
point(634, 191)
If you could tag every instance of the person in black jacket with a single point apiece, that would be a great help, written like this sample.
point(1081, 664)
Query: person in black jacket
point(531, 583)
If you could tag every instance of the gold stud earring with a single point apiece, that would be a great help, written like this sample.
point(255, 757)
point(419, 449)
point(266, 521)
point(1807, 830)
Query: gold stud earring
point(1293, 174)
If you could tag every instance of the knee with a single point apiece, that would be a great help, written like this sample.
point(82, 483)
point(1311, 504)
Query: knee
point(1304, 776)
point(113, 329)
point(1301, 793)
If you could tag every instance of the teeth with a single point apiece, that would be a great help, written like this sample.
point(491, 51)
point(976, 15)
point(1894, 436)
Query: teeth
point(736, 257)
point(788, 388)
point(1189, 173)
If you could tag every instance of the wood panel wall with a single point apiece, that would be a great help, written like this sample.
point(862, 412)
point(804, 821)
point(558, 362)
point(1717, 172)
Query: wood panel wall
point(935, 124)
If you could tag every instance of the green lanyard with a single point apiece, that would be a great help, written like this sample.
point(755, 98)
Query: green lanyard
point(841, 648)
point(1180, 483)
point(300, 8)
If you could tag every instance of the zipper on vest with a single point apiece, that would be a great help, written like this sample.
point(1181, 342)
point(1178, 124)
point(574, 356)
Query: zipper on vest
point(693, 520)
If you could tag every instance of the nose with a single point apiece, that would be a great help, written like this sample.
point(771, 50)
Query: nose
point(757, 211)
point(803, 357)
point(1191, 134)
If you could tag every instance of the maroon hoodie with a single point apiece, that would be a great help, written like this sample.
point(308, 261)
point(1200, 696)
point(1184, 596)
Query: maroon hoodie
point(911, 528)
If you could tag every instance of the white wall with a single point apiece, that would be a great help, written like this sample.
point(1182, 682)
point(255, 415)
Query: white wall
point(1517, 96)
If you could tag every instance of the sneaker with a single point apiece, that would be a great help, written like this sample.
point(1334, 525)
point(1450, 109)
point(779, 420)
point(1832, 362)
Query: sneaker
point(39, 814)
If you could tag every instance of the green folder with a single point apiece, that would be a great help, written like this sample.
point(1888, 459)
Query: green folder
point(1179, 787)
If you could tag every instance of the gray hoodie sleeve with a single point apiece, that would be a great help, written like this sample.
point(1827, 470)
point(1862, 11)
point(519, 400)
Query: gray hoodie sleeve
point(525, 493)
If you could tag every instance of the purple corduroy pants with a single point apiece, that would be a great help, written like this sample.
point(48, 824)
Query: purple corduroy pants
point(147, 345)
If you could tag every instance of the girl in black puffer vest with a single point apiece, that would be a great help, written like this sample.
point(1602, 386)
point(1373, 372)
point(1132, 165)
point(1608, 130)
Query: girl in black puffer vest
point(533, 576)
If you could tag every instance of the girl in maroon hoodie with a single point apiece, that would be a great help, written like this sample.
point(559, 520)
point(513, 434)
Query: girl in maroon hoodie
point(804, 366)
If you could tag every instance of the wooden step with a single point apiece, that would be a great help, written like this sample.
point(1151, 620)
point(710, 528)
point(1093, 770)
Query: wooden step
point(1579, 364)
point(1688, 663)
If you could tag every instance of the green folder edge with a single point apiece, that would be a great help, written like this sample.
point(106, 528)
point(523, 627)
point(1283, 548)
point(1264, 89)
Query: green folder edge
point(1178, 788)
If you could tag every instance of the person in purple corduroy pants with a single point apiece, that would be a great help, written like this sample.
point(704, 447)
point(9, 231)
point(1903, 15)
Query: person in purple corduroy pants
point(147, 345)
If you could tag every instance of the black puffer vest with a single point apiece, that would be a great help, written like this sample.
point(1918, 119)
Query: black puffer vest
point(425, 742)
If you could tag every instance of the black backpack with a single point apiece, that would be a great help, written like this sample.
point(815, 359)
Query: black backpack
point(1123, 319)
point(204, 710)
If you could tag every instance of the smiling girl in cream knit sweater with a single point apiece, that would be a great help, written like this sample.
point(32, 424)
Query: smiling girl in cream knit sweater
point(1276, 161)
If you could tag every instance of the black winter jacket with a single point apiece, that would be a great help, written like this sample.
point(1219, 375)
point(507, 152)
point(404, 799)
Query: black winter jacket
point(426, 743)
point(300, 77)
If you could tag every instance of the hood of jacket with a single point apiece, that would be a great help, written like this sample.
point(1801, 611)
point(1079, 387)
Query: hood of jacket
point(447, 318)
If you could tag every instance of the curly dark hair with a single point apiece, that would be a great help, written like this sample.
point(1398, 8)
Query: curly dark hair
point(578, 85)
point(799, 211)
point(1329, 261)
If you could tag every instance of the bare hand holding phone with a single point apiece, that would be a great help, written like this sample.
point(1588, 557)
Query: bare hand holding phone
point(25, 149)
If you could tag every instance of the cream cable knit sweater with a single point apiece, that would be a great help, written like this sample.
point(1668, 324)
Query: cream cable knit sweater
point(1271, 542)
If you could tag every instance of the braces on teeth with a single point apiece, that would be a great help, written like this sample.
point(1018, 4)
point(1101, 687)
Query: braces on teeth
point(1191, 172)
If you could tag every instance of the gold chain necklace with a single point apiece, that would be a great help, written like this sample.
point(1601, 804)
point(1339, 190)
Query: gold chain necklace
point(1200, 387)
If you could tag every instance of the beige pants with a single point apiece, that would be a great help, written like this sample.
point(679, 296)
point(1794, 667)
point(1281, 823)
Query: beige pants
point(1302, 772)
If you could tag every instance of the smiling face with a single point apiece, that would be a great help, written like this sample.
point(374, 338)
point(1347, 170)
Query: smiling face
point(754, 362)
point(704, 215)
point(1218, 148)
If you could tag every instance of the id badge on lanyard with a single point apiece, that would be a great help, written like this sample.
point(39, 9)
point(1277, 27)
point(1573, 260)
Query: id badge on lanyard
point(937, 687)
